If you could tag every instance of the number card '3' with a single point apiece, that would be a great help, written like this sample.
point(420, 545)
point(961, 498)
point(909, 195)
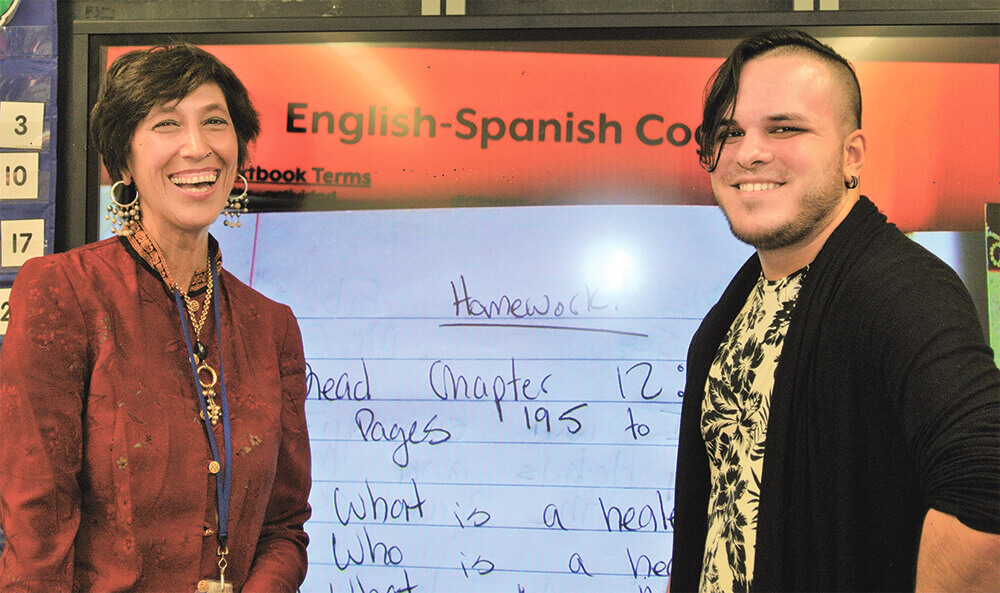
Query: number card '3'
point(21, 124)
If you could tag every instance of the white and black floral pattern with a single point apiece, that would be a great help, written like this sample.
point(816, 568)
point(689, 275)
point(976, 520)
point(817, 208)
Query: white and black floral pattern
point(734, 417)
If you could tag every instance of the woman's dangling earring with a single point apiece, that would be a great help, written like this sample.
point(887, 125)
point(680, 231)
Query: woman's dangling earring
point(236, 205)
point(124, 217)
point(853, 183)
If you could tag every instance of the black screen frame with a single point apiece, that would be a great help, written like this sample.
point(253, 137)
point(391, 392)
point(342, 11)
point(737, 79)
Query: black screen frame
point(976, 34)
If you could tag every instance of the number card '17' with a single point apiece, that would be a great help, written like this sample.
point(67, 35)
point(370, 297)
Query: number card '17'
point(21, 240)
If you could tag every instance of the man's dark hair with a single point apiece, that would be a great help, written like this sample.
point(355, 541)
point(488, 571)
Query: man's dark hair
point(140, 80)
point(723, 86)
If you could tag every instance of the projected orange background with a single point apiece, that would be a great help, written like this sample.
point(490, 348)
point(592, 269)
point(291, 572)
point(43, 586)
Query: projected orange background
point(363, 126)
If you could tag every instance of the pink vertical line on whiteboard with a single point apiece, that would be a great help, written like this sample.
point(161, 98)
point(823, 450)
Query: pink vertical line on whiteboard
point(253, 248)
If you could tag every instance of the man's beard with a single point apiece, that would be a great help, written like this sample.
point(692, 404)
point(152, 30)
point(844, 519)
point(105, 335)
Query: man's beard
point(814, 207)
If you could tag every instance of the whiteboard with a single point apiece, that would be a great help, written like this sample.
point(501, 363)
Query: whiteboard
point(494, 393)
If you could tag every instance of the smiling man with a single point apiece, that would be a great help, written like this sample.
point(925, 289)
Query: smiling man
point(841, 419)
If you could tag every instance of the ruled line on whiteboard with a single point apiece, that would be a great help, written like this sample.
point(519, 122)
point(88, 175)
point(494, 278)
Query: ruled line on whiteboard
point(623, 575)
point(438, 318)
point(515, 528)
point(504, 359)
point(489, 400)
point(494, 485)
point(659, 531)
point(637, 444)
point(538, 326)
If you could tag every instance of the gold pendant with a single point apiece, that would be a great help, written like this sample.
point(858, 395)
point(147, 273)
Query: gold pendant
point(214, 411)
point(214, 586)
point(208, 389)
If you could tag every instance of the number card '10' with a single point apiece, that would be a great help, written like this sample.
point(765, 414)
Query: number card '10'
point(19, 176)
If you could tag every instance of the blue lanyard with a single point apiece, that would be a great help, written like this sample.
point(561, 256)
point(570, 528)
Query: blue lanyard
point(222, 488)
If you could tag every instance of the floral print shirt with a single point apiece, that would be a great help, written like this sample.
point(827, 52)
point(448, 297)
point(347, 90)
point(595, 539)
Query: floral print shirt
point(734, 417)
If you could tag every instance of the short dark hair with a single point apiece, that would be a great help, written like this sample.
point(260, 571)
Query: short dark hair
point(723, 86)
point(142, 79)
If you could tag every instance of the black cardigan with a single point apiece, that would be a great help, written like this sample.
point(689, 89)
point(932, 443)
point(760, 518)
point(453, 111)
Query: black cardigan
point(886, 402)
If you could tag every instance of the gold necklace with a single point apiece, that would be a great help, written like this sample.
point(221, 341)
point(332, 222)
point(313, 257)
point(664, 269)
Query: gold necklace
point(192, 309)
point(193, 306)
point(207, 376)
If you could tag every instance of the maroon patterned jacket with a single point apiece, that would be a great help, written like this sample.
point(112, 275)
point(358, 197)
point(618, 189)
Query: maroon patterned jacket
point(104, 481)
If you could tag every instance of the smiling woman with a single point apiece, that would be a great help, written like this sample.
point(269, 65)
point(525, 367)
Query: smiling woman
point(183, 162)
point(133, 368)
